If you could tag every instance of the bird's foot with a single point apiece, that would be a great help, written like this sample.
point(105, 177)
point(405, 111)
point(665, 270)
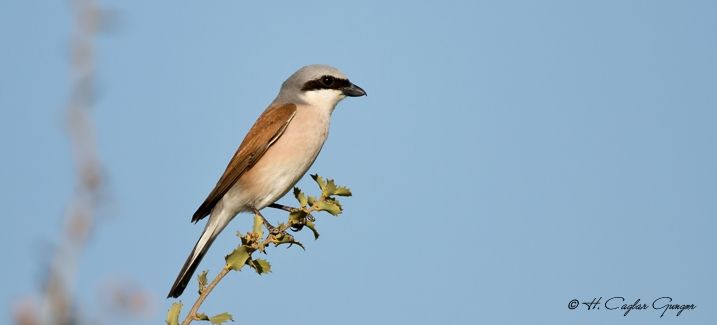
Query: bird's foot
point(272, 230)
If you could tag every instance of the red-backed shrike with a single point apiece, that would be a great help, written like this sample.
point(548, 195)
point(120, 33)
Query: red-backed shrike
point(274, 155)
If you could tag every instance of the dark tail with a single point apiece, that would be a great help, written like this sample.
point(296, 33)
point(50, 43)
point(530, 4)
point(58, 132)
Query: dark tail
point(190, 266)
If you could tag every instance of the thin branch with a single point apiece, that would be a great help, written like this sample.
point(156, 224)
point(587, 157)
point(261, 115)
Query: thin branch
point(192, 315)
point(254, 241)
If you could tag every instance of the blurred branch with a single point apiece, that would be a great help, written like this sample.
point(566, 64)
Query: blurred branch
point(58, 299)
point(57, 304)
point(123, 300)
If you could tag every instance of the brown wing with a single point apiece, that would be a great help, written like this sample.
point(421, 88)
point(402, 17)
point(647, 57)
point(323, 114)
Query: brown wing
point(269, 127)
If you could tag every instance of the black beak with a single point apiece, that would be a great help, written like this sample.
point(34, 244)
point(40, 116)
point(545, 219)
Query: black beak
point(353, 91)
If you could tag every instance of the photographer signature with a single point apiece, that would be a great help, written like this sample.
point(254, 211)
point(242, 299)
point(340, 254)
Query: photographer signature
point(618, 303)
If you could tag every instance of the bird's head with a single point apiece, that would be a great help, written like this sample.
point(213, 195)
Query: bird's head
point(318, 85)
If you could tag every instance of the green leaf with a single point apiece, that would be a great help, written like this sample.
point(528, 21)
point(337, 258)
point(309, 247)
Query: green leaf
point(237, 258)
point(312, 226)
point(201, 316)
point(342, 191)
point(299, 195)
point(311, 200)
point(202, 278)
point(221, 318)
point(330, 206)
point(288, 239)
point(261, 266)
point(319, 180)
point(297, 217)
point(173, 314)
point(329, 189)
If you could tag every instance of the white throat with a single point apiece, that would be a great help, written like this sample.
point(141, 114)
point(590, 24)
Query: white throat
point(323, 99)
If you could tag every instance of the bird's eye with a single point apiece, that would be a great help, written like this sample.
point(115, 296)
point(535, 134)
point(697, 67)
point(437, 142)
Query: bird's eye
point(327, 81)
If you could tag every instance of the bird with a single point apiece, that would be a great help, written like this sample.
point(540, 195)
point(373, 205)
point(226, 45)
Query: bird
point(275, 153)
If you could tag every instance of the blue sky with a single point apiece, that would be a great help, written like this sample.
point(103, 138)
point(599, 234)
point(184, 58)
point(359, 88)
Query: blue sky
point(511, 155)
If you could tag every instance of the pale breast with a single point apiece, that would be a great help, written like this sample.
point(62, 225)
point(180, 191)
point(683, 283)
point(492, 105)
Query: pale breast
point(283, 164)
